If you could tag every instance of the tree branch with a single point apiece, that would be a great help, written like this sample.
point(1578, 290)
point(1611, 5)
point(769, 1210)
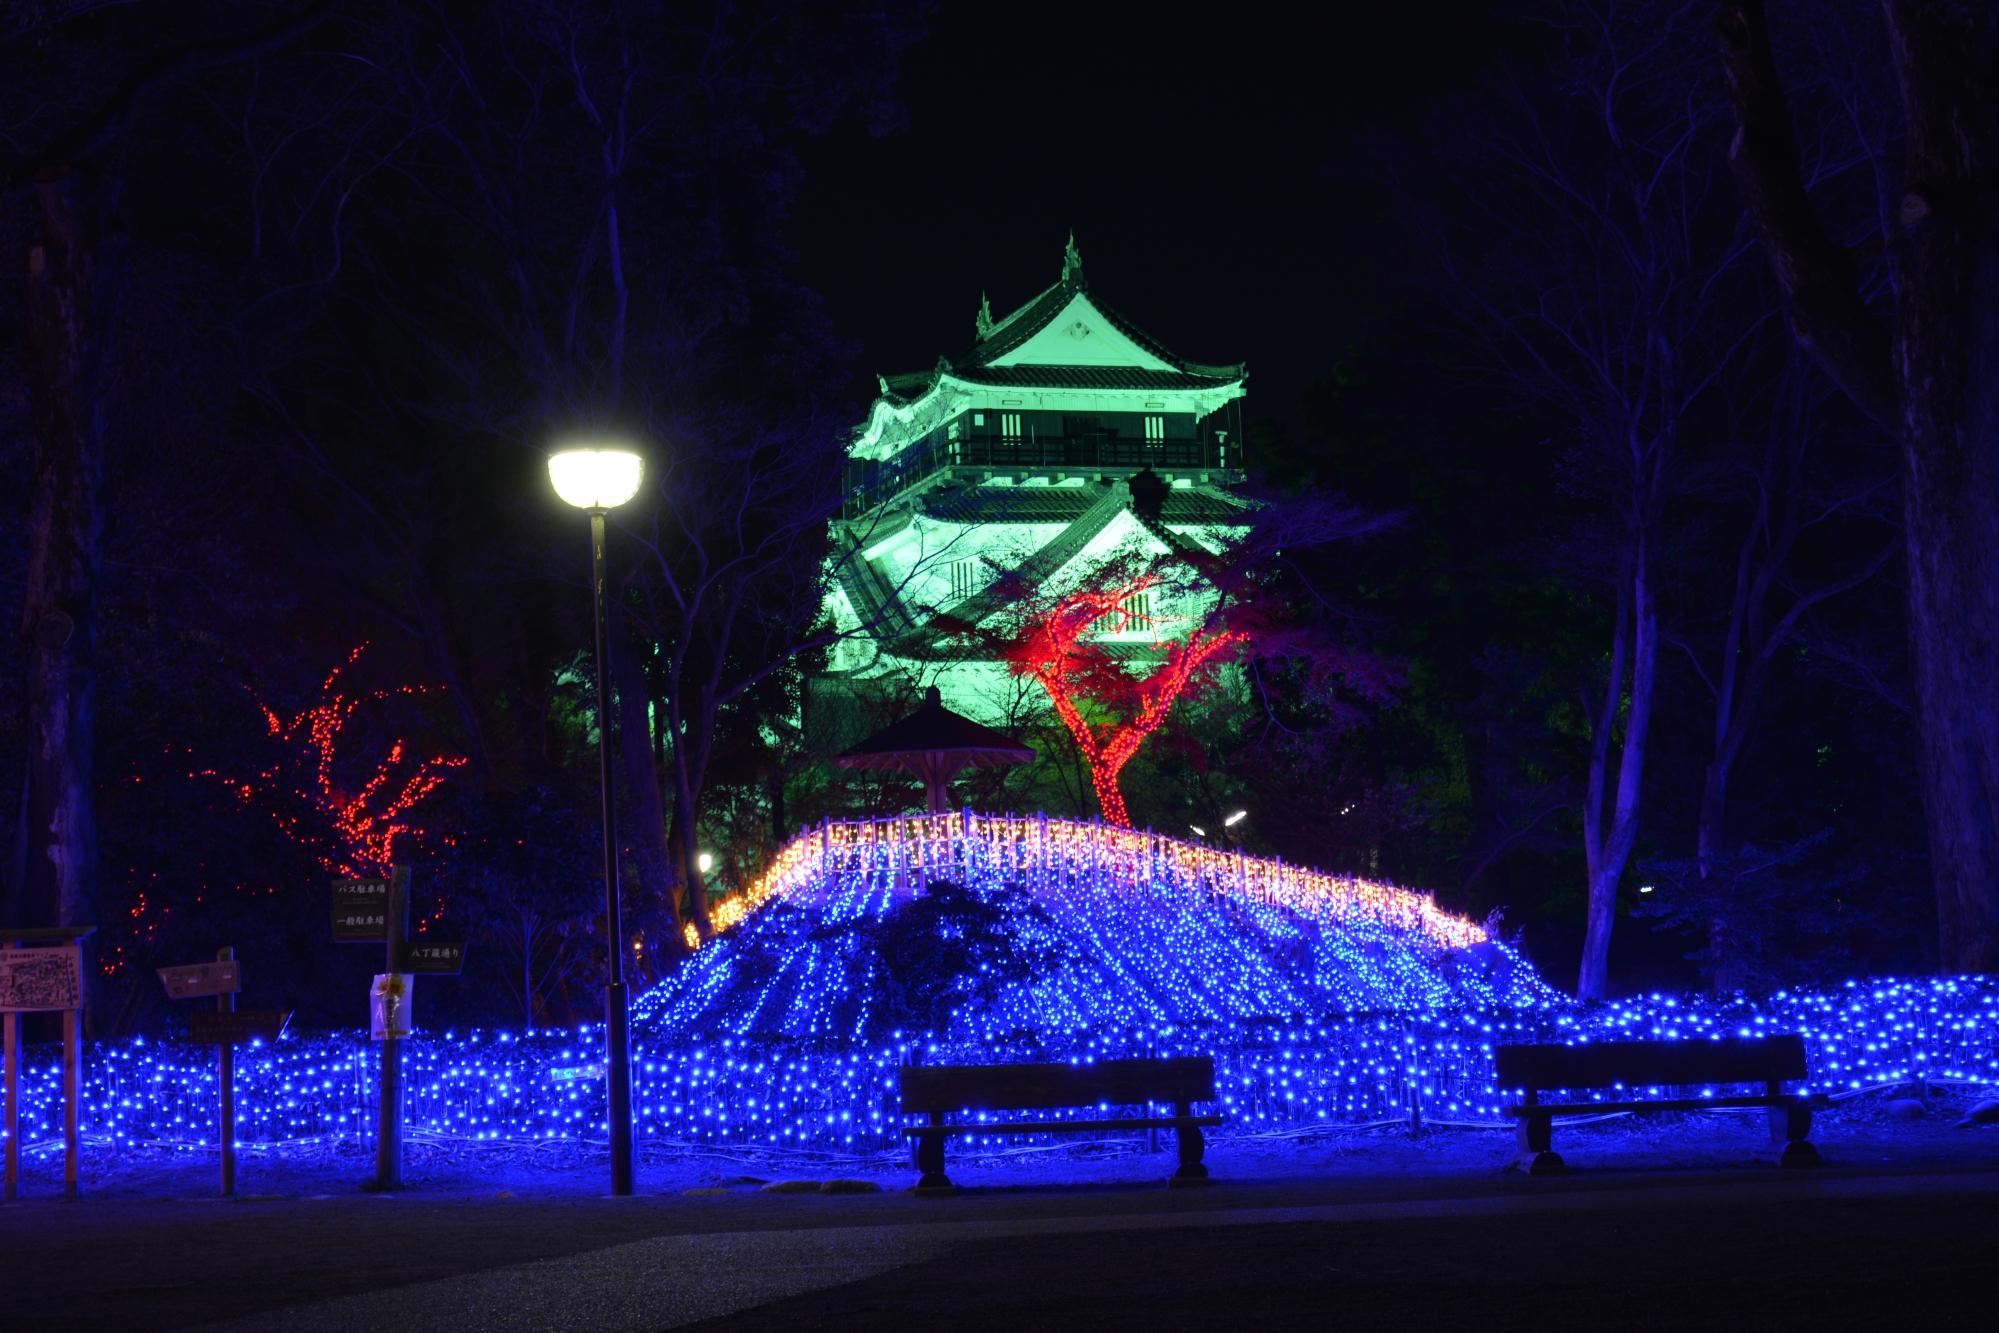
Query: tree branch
point(1817, 276)
point(103, 124)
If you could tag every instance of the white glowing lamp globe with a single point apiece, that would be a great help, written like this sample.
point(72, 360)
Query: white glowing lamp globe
point(596, 478)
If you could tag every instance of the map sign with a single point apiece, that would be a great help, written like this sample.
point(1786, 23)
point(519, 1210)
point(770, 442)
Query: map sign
point(36, 979)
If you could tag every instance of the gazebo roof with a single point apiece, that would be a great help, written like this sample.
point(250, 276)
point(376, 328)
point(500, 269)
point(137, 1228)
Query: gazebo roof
point(934, 730)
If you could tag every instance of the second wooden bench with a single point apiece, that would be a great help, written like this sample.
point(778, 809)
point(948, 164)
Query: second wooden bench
point(1631, 1066)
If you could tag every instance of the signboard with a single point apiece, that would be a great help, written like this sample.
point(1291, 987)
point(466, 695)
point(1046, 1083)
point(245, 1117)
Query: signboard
point(198, 979)
point(434, 957)
point(36, 979)
point(389, 1004)
point(360, 911)
point(232, 1027)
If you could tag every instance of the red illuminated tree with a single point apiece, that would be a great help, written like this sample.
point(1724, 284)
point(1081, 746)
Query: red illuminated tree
point(348, 814)
point(1062, 648)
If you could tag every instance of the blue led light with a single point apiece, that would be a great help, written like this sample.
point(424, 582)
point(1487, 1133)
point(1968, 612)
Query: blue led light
point(1318, 1009)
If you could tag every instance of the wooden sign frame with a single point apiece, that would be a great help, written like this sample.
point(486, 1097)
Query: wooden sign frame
point(70, 939)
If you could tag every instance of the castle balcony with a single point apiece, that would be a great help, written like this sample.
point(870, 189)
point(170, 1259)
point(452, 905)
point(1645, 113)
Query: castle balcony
point(1055, 457)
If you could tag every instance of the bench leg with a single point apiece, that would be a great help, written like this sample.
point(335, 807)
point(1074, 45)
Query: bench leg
point(1790, 1131)
point(1192, 1146)
point(1536, 1131)
point(930, 1161)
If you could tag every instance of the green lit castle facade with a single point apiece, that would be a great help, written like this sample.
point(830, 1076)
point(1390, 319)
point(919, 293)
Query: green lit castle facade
point(1020, 455)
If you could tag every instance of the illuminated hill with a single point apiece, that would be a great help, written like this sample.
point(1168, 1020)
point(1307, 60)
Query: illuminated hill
point(983, 928)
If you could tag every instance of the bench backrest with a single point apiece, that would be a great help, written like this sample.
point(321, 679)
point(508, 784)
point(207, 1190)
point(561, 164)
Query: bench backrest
point(1599, 1064)
point(1028, 1087)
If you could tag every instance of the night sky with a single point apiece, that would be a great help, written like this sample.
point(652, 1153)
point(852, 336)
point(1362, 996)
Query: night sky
point(1228, 178)
point(356, 283)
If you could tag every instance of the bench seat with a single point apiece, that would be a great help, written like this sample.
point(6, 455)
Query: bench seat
point(937, 1091)
point(1814, 1100)
point(1627, 1065)
point(1059, 1126)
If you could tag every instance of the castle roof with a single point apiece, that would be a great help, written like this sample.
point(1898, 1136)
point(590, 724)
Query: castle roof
point(1065, 337)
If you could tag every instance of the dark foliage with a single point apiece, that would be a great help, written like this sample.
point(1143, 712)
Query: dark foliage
point(951, 947)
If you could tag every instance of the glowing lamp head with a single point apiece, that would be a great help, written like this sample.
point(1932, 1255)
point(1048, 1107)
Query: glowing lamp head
point(704, 862)
point(596, 478)
point(1236, 818)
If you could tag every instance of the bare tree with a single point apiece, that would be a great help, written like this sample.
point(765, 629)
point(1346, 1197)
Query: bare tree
point(1797, 491)
point(1920, 361)
point(74, 279)
point(612, 179)
point(1608, 294)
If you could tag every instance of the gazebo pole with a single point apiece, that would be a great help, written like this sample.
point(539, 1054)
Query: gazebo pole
point(936, 787)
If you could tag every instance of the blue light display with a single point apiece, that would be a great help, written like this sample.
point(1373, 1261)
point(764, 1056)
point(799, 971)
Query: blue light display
point(1323, 1001)
point(1340, 1069)
point(1122, 929)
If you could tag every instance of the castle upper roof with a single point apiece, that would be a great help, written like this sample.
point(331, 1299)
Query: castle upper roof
point(1065, 337)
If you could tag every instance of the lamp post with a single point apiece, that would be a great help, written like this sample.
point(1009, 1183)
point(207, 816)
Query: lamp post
point(599, 480)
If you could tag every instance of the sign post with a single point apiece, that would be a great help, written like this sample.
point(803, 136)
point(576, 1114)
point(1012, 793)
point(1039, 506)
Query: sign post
point(47, 976)
point(389, 1129)
point(366, 911)
point(222, 1029)
point(225, 1056)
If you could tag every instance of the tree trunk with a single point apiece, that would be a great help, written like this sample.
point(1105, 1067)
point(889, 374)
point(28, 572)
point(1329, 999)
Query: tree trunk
point(687, 845)
point(1608, 846)
point(646, 828)
point(1724, 970)
point(1946, 354)
point(69, 284)
point(527, 972)
point(780, 821)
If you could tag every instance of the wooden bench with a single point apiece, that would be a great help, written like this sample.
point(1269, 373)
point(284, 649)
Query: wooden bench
point(1630, 1066)
point(937, 1091)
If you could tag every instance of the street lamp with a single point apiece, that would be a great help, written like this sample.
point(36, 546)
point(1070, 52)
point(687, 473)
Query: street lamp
point(599, 480)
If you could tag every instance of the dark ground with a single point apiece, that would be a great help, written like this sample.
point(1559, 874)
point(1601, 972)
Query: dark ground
point(1728, 1260)
point(1669, 1224)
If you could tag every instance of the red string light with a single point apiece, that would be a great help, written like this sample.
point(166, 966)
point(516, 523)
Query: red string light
point(1054, 653)
point(353, 831)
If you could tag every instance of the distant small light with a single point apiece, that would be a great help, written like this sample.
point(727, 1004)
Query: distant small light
point(1645, 888)
point(1199, 832)
point(1235, 819)
point(704, 863)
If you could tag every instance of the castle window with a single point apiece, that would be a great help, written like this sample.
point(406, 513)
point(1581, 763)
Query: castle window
point(1010, 427)
point(978, 418)
point(964, 579)
point(1138, 607)
point(1155, 429)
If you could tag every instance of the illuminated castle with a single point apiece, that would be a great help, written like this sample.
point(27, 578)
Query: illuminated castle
point(1063, 436)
